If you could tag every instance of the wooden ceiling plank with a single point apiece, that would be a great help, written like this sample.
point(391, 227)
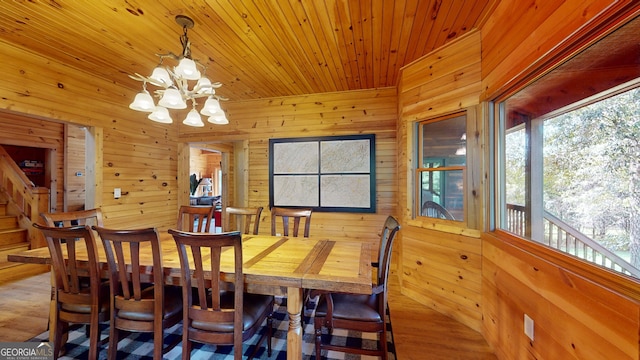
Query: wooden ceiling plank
point(386, 45)
point(340, 13)
point(359, 21)
point(315, 40)
point(402, 24)
point(422, 29)
point(274, 79)
point(367, 9)
point(278, 58)
point(456, 14)
point(300, 51)
point(322, 24)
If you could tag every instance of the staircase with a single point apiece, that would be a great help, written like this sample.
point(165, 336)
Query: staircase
point(13, 239)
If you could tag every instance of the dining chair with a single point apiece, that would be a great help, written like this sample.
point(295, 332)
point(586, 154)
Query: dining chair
point(435, 210)
point(290, 213)
point(88, 217)
point(214, 315)
point(243, 218)
point(80, 296)
point(296, 215)
point(196, 218)
point(139, 302)
point(365, 313)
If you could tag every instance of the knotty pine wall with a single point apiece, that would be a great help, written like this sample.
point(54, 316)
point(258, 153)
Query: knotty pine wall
point(74, 160)
point(134, 154)
point(341, 113)
point(442, 261)
point(579, 312)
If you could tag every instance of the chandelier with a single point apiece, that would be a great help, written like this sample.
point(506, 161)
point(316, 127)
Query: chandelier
point(173, 84)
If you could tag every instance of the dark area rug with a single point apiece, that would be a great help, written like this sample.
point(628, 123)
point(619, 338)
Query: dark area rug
point(140, 345)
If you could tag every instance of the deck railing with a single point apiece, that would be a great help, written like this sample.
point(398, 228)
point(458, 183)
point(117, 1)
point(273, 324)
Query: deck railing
point(561, 236)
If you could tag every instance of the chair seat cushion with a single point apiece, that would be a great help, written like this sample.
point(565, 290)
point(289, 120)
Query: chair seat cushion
point(255, 306)
point(351, 307)
point(172, 305)
point(86, 308)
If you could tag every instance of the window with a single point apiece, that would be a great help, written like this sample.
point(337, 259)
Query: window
point(440, 173)
point(569, 164)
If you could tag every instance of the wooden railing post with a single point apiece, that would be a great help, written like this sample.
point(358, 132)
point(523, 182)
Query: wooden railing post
point(39, 205)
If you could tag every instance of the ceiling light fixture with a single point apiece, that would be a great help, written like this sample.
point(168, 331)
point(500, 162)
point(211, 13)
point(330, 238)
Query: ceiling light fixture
point(174, 90)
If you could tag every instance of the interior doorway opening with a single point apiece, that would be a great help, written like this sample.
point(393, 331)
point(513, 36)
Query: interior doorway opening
point(225, 165)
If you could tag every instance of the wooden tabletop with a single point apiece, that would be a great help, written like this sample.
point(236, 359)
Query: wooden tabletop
point(270, 260)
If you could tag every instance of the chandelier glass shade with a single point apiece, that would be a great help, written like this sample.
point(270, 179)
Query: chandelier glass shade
point(173, 90)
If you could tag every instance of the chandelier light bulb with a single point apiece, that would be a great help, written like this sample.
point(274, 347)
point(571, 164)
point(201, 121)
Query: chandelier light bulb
point(203, 86)
point(187, 69)
point(161, 115)
point(211, 107)
point(172, 99)
point(143, 102)
point(161, 75)
point(218, 119)
point(193, 119)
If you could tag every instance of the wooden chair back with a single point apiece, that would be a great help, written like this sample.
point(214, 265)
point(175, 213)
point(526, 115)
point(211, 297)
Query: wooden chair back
point(88, 217)
point(138, 300)
point(77, 302)
point(289, 213)
point(243, 219)
point(435, 210)
point(388, 232)
point(196, 218)
point(211, 314)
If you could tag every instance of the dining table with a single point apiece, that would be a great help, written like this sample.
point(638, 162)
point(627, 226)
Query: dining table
point(276, 265)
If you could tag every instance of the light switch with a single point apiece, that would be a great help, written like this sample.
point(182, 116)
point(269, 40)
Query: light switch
point(528, 326)
point(117, 193)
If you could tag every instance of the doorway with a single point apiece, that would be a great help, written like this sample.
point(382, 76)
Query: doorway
point(228, 171)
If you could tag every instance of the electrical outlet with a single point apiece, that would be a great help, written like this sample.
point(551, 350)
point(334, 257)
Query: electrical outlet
point(117, 193)
point(528, 326)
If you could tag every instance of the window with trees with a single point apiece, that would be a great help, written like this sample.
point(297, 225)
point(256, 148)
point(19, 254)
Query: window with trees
point(441, 166)
point(569, 155)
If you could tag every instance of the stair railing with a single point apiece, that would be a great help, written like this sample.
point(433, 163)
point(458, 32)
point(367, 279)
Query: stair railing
point(24, 199)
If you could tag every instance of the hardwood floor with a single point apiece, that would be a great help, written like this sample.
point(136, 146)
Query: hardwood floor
point(419, 332)
point(24, 307)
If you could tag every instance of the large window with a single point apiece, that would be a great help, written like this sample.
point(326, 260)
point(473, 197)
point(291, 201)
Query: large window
point(440, 174)
point(569, 156)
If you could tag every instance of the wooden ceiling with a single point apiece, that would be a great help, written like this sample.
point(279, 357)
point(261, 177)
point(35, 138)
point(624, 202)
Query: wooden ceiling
point(256, 48)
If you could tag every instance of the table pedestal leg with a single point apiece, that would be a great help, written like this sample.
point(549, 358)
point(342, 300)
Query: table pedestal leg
point(294, 335)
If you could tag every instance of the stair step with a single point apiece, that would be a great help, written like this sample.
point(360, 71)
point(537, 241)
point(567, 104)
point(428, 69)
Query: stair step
point(8, 222)
point(18, 271)
point(12, 236)
point(12, 249)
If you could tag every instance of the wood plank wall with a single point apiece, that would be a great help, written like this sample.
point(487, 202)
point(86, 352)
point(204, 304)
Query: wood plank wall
point(441, 262)
point(137, 155)
point(574, 317)
point(74, 184)
point(578, 312)
point(342, 113)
